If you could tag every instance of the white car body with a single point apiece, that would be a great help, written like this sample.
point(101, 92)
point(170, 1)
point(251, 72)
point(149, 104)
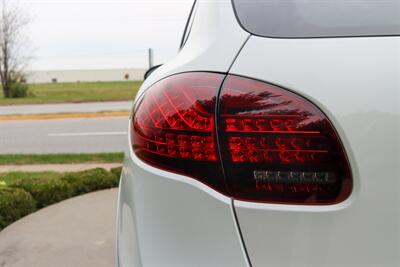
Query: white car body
point(167, 219)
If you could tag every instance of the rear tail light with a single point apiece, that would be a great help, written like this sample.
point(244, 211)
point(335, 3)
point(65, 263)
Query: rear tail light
point(275, 146)
point(174, 127)
point(278, 147)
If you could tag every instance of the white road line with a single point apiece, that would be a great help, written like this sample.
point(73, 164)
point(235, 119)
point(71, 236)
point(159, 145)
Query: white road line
point(87, 134)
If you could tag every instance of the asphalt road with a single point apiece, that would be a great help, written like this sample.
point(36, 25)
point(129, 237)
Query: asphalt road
point(66, 108)
point(64, 136)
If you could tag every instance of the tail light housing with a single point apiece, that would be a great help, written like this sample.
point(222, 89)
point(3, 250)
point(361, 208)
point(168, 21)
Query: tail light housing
point(278, 147)
point(174, 127)
point(245, 138)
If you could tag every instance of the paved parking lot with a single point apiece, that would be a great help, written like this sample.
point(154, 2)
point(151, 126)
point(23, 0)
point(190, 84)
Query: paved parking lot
point(79, 232)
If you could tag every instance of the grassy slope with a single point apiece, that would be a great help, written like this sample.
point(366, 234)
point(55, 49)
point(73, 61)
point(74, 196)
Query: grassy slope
point(61, 158)
point(76, 92)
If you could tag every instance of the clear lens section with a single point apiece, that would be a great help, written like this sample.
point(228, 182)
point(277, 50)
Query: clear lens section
point(278, 147)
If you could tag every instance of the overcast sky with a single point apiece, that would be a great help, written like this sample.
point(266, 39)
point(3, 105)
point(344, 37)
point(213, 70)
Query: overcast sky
point(103, 34)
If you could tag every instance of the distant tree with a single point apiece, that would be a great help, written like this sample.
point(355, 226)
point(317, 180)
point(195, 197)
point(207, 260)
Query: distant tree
point(14, 45)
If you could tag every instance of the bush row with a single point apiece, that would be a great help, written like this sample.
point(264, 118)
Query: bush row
point(15, 203)
point(27, 195)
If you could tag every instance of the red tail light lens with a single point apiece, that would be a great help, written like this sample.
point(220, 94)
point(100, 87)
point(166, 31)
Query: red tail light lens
point(276, 146)
point(174, 127)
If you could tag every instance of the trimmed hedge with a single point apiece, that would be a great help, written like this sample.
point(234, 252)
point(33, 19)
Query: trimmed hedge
point(29, 194)
point(89, 181)
point(117, 172)
point(15, 203)
point(46, 191)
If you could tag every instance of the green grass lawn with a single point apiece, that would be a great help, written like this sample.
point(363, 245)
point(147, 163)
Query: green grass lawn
point(61, 158)
point(76, 92)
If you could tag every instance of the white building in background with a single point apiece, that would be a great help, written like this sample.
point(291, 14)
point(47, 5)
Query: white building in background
point(65, 76)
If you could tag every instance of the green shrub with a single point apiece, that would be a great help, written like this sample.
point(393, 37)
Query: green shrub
point(89, 181)
point(15, 203)
point(19, 90)
point(117, 172)
point(24, 195)
point(45, 191)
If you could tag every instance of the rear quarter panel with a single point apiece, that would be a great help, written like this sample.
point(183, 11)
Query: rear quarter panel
point(212, 45)
point(167, 219)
